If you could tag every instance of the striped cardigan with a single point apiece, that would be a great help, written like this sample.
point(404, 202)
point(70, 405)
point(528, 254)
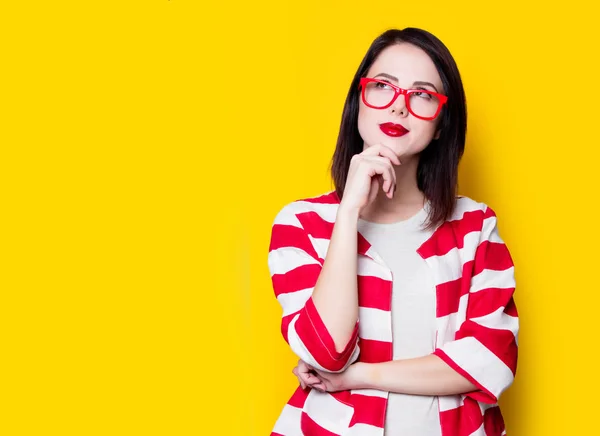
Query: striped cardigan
point(476, 319)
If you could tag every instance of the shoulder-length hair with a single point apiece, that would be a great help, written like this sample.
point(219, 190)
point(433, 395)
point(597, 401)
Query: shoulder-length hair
point(437, 172)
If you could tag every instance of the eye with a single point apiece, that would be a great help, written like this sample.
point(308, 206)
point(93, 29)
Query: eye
point(423, 94)
point(382, 85)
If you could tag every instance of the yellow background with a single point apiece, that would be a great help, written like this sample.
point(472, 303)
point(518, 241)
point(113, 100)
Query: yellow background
point(146, 148)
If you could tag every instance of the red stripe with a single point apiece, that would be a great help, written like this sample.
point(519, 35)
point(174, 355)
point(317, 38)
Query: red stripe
point(500, 342)
point(372, 351)
point(492, 255)
point(317, 226)
point(489, 213)
point(320, 228)
point(493, 422)
point(310, 427)
point(302, 277)
point(463, 420)
point(451, 234)
point(328, 198)
point(314, 335)
point(374, 292)
point(448, 297)
point(368, 410)
point(285, 235)
point(299, 397)
point(487, 301)
point(511, 309)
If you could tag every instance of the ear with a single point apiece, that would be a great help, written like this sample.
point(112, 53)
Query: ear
point(437, 134)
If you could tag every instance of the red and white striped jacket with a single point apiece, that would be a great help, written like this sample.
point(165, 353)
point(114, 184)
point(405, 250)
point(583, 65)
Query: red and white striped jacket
point(476, 319)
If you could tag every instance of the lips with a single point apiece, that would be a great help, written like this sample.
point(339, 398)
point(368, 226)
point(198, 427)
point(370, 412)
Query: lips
point(394, 130)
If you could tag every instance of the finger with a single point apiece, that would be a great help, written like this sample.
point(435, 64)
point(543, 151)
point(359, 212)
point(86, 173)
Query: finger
point(309, 378)
point(320, 387)
point(375, 167)
point(389, 187)
point(295, 371)
point(382, 150)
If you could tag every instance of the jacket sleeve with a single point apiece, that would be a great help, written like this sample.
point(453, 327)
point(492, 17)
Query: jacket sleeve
point(295, 266)
point(485, 346)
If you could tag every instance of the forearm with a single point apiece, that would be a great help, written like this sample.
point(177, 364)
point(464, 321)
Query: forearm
point(428, 375)
point(335, 295)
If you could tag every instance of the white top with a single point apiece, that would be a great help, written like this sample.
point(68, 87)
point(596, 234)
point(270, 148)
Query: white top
point(413, 316)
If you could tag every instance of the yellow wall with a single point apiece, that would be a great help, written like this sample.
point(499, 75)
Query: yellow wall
point(146, 148)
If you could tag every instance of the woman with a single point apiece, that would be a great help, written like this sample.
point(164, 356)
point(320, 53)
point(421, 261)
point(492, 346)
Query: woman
point(397, 293)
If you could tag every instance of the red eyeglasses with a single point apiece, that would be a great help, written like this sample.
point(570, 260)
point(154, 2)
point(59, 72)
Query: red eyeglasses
point(422, 103)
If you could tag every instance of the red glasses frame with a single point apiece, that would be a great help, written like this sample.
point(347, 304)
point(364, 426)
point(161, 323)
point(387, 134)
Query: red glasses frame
point(400, 91)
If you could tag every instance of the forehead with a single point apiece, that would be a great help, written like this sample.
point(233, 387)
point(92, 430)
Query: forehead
point(406, 62)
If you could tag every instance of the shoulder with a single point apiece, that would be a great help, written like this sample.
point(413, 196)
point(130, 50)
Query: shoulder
point(469, 208)
point(475, 216)
point(324, 206)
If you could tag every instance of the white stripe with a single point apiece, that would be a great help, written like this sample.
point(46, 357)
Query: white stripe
point(364, 430)
point(294, 301)
point(448, 325)
point(499, 320)
point(483, 365)
point(370, 392)
point(320, 245)
point(447, 267)
point(490, 228)
point(489, 278)
point(302, 352)
point(375, 324)
point(470, 242)
point(464, 205)
point(287, 215)
point(450, 402)
point(368, 267)
point(479, 432)
point(484, 406)
point(327, 412)
point(288, 423)
point(286, 259)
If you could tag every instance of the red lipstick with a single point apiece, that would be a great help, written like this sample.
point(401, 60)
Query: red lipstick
point(394, 130)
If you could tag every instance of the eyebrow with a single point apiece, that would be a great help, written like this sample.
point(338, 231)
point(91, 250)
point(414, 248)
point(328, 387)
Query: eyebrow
point(417, 83)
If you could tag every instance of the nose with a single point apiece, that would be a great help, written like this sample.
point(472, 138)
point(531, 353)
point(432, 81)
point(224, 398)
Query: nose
point(398, 107)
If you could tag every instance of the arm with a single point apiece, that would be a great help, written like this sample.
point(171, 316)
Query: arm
point(481, 361)
point(485, 347)
point(319, 298)
point(427, 375)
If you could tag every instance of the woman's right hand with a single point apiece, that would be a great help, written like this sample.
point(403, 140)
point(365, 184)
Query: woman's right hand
point(367, 171)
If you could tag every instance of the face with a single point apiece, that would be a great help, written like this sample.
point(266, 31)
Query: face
point(408, 67)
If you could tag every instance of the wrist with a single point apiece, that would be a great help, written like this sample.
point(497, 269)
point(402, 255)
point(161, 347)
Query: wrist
point(367, 376)
point(348, 212)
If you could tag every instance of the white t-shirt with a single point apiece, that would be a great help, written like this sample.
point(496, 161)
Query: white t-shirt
point(413, 317)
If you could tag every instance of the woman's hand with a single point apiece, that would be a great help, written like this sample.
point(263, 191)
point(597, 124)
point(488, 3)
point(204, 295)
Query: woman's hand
point(367, 170)
point(355, 377)
point(352, 378)
point(306, 376)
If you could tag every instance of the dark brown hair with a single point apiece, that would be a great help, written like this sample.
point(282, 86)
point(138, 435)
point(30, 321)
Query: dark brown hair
point(437, 172)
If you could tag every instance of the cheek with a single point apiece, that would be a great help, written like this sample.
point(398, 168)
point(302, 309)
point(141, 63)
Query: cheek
point(425, 131)
point(366, 123)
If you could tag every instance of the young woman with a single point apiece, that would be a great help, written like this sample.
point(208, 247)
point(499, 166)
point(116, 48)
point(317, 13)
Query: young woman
point(397, 293)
